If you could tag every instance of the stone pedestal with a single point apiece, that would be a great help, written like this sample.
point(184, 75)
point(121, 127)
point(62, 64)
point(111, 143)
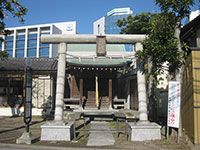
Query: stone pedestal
point(144, 131)
point(57, 131)
point(26, 138)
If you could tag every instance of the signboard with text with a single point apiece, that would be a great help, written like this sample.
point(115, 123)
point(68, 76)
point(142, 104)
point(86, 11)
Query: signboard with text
point(174, 102)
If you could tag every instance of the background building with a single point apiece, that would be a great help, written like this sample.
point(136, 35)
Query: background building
point(25, 41)
point(107, 24)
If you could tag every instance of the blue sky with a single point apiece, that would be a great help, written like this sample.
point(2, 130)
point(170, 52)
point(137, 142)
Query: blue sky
point(84, 12)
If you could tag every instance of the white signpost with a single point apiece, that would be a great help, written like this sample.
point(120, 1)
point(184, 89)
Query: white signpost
point(174, 102)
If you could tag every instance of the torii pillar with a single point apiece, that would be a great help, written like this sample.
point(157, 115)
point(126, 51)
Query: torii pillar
point(142, 94)
point(60, 87)
point(59, 130)
point(143, 130)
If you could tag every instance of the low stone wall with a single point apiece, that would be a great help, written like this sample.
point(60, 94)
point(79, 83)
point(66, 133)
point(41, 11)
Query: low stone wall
point(8, 111)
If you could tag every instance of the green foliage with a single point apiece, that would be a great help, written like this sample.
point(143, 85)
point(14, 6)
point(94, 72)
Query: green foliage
point(186, 49)
point(11, 8)
point(137, 24)
point(161, 46)
point(180, 7)
point(3, 55)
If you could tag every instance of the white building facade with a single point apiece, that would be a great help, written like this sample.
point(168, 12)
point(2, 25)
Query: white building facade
point(25, 41)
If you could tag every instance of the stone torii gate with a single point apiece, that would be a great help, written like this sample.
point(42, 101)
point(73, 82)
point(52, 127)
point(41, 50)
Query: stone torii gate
point(63, 40)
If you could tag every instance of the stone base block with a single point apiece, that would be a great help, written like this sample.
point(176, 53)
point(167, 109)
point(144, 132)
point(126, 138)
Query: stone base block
point(54, 131)
point(144, 131)
point(26, 138)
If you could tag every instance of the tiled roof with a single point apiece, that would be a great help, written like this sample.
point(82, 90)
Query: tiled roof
point(49, 65)
point(37, 64)
point(99, 62)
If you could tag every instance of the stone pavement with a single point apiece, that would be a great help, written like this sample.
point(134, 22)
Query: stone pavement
point(100, 134)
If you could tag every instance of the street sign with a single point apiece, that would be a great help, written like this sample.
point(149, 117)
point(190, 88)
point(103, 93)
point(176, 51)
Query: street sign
point(174, 102)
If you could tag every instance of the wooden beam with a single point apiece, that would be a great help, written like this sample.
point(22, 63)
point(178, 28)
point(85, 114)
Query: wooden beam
point(97, 91)
point(81, 92)
point(71, 86)
point(110, 93)
point(8, 92)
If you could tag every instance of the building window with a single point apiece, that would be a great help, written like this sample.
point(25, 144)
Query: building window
point(98, 28)
point(9, 38)
point(32, 36)
point(31, 52)
point(19, 53)
point(44, 48)
point(9, 45)
point(32, 44)
point(20, 44)
point(10, 53)
point(20, 37)
point(44, 52)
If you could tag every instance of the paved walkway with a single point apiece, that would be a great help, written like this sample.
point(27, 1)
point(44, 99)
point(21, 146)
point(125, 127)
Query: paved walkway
point(100, 134)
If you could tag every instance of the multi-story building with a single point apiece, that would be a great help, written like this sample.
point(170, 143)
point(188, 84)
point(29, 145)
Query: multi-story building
point(107, 24)
point(25, 41)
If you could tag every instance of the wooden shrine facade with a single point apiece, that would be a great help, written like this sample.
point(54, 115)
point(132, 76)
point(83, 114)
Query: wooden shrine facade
point(94, 85)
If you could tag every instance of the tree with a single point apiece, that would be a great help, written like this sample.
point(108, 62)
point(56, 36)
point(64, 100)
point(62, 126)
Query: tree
point(10, 8)
point(161, 46)
point(181, 9)
point(163, 29)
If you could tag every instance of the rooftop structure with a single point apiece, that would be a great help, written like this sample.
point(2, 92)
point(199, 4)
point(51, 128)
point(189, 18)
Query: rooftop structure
point(119, 11)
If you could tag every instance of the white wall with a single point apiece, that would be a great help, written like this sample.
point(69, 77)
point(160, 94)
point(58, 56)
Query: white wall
point(7, 111)
point(101, 23)
point(164, 78)
point(41, 92)
point(62, 28)
point(194, 14)
point(66, 27)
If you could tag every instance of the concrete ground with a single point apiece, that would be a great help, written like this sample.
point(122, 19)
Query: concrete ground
point(12, 128)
